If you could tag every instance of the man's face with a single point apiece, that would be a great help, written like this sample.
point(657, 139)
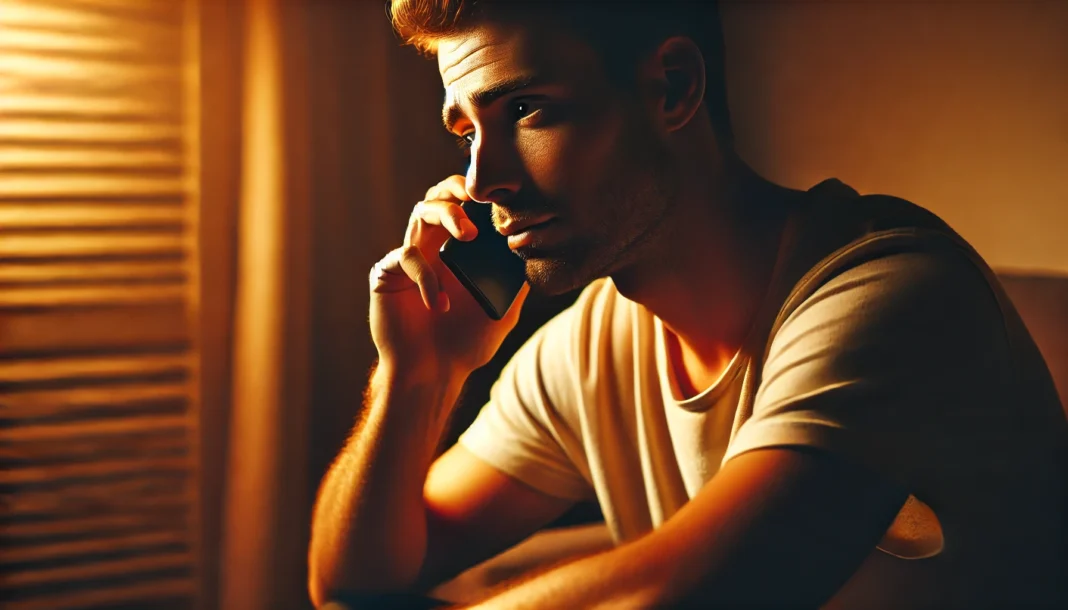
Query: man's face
point(555, 141)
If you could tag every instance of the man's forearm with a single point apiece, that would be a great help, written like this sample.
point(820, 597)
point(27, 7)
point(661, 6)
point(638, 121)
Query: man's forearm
point(369, 522)
point(629, 576)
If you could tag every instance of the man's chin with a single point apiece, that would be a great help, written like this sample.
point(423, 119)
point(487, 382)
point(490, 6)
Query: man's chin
point(553, 276)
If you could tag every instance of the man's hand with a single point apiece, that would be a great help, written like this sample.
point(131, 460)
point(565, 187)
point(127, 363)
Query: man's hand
point(422, 319)
point(373, 530)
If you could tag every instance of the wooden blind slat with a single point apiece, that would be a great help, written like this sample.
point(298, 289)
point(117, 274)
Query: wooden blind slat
point(92, 295)
point(103, 427)
point(57, 15)
point(105, 403)
point(167, 443)
point(71, 41)
point(67, 549)
point(73, 217)
point(98, 468)
point(28, 247)
point(158, 589)
point(13, 275)
point(93, 91)
point(97, 569)
point(27, 62)
point(115, 368)
point(75, 159)
point(146, 493)
point(139, 11)
point(90, 471)
point(82, 526)
point(79, 185)
point(114, 107)
point(36, 332)
point(92, 369)
point(29, 130)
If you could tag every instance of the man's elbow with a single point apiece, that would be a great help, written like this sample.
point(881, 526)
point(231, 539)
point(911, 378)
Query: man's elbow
point(324, 577)
point(320, 588)
point(317, 591)
point(328, 580)
point(322, 591)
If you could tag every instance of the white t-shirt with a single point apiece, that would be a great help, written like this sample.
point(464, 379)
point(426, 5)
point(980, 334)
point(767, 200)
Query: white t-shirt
point(887, 342)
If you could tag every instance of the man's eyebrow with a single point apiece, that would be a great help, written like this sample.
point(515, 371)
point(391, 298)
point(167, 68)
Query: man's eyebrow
point(480, 99)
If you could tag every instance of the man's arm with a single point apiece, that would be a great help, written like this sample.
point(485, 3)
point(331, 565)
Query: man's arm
point(383, 524)
point(379, 524)
point(775, 527)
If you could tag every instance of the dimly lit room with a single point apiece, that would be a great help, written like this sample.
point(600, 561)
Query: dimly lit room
point(756, 303)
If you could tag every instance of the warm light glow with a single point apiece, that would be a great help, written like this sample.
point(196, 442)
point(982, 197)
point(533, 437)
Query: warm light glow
point(92, 142)
point(104, 215)
point(97, 353)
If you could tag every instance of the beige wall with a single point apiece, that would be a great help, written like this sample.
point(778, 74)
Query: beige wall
point(959, 106)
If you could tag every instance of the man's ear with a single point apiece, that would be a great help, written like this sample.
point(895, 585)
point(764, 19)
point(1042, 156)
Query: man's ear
point(679, 68)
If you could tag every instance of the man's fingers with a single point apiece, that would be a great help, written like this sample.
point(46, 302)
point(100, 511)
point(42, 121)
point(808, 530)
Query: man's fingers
point(452, 188)
point(387, 275)
point(449, 215)
point(440, 208)
point(417, 268)
point(429, 225)
point(512, 316)
point(411, 234)
point(403, 267)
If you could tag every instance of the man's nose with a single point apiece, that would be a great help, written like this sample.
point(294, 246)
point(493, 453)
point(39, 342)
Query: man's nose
point(495, 172)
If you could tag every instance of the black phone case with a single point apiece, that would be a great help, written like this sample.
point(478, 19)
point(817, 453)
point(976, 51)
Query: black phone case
point(489, 270)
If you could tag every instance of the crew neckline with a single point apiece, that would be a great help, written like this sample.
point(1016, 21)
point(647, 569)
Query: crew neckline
point(704, 399)
point(707, 397)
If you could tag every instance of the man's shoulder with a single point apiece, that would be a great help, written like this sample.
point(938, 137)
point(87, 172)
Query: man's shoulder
point(837, 230)
point(887, 279)
point(874, 266)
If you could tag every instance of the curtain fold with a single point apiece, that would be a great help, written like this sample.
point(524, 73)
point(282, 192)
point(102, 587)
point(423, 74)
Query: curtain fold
point(319, 133)
point(265, 511)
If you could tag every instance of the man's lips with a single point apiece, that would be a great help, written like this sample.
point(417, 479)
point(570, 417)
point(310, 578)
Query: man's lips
point(535, 234)
point(517, 226)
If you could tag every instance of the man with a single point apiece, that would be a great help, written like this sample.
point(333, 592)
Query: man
point(778, 397)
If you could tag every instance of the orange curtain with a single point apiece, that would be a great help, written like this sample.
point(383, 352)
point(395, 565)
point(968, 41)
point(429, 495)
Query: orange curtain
point(319, 132)
point(263, 517)
point(256, 223)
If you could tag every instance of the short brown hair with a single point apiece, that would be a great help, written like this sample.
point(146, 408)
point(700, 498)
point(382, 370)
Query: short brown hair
point(623, 32)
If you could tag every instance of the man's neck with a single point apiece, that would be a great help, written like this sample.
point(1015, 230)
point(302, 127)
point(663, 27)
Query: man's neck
point(708, 275)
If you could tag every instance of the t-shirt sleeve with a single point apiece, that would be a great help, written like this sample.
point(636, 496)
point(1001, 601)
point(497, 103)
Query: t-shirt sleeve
point(526, 430)
point(885, 364)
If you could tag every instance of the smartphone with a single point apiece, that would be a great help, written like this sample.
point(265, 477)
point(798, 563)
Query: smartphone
point(486, 267)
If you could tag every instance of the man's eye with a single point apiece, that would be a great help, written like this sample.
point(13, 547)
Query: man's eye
point(465, 141)
point(521, 109)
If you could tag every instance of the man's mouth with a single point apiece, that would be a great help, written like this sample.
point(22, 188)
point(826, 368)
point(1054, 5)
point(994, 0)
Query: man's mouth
point(529, 234)
point(517, 226)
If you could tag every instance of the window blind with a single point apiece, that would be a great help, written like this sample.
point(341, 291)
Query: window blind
point(98, 418)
